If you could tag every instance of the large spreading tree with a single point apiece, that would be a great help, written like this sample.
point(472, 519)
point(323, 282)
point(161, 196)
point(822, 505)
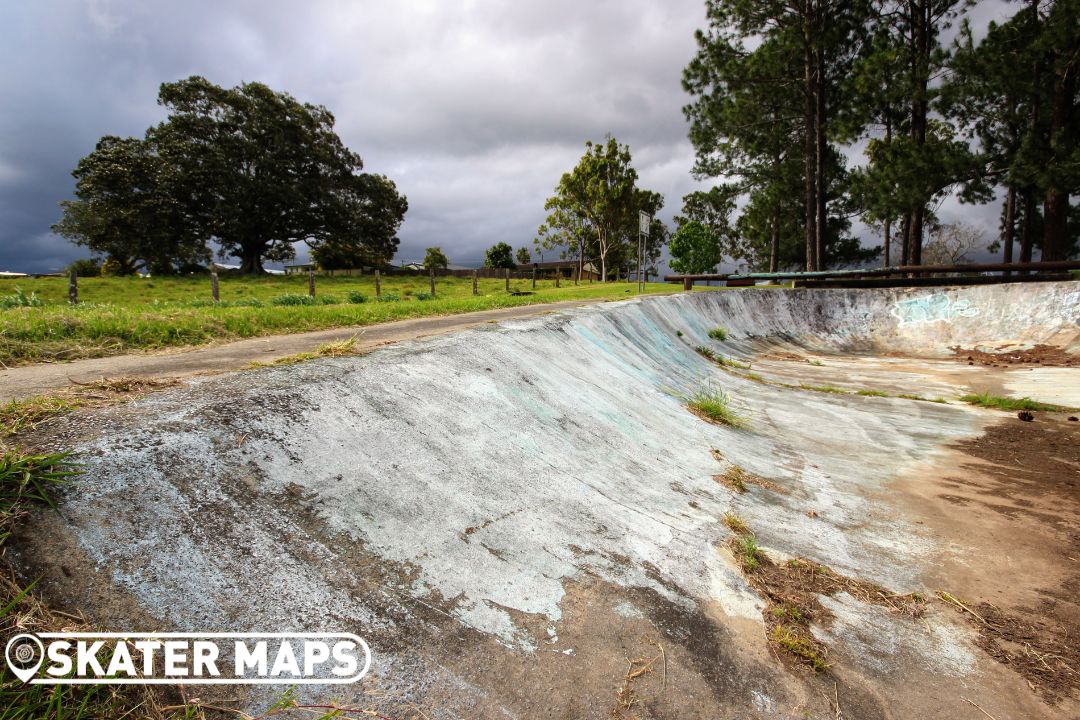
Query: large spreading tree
point(249, 168)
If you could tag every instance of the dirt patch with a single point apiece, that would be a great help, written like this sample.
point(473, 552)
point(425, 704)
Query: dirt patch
point(1038, 640)
point(1044, 355)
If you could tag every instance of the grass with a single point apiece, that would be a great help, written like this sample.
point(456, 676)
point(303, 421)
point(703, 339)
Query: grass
point(718, 333)
point(872, 393)
point(746, 551)
point(712, 404)
point(720, 359)
point(733, 479)
point(332, 349)
point(987, 400)
point(795, 640)
point(19, 415)
point(736, 524)
point(825, 389)
point(121, 315)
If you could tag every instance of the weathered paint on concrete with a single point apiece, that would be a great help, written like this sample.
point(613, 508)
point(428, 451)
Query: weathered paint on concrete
point(485, 470)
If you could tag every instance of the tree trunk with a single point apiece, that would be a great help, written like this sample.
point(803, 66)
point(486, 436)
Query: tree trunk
point(1027, 229)
point(251, 259)
point(774, 245)
point(809, 149)
point(820, 146)
point(905, 240)
point(1056, 204)
point(1009, 231)
point(920, 39)
point(888, 230)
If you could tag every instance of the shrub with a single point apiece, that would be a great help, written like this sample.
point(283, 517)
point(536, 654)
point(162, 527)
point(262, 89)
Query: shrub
point(718, 333)
point(292, 299)
point(356, 297)
point(425, 296)
point(328, 300)
point(85, 267)
point(389, 297)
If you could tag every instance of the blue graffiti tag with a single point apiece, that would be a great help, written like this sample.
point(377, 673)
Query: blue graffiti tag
point(932, 308)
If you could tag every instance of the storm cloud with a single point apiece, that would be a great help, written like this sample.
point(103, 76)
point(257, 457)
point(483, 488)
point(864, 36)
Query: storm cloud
point(473, 108)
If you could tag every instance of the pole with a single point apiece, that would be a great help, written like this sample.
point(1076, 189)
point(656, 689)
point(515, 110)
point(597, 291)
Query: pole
point(507, 279)
point(475, 291)
point(311, 283)
point(73, 288)
point(534, 276)
point(431, 277)
point(378, 284)
point(214, 286)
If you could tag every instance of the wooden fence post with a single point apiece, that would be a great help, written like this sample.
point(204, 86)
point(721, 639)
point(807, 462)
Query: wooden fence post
point(73, 288)
point(378, 284)
point(431, 276)
point(534, 277)
point(558, 274)
point(311, 283)
point(687, 284)
point(214, 286)
point(507, 279)
point(475, 291)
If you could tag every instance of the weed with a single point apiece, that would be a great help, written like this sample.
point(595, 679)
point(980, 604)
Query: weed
point(920, 398)
point(425, 296)
point(718, 333)
point(736, 524)
point(390, 297)
point(815, 363)
point(356, 297)
point(1003, 403)
point(746, 551)
point(328, 300)
point(755, 377)
point(678, 333)
point(711, 404)
point(872, 393)
point(19, 299)
point(292, 299)
point(19, 415)
point(705, 352)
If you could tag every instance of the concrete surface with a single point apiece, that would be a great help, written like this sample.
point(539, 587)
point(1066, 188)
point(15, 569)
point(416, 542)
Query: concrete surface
point(505, 512)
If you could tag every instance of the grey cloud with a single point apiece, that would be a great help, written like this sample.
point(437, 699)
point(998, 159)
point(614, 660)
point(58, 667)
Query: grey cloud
point(474, 109)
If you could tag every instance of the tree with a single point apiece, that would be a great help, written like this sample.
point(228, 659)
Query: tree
point(523, 256)
point(764, 83)
point(435, 259)
point(595, 205)
point(251, 168)
point(128, 210)
point(949, 244)
point(85, 267)
point(500, 255)
point(694, 249)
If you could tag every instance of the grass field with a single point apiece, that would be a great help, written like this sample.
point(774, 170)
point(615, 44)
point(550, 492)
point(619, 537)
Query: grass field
point(119, 315)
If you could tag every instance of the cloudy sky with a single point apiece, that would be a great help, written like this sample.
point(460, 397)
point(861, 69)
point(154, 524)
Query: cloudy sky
point(474, 108)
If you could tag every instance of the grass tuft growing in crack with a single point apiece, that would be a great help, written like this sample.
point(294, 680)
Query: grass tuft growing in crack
point(713, 405)
point(736, 524)
point(718, 333)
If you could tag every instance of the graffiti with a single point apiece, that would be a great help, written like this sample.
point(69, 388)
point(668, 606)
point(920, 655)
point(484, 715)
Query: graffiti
point(932, 308)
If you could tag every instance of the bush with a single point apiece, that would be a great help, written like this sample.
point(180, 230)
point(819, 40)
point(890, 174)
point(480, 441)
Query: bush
point(85, 267)
point(292, 299)
point(389, 297)
point(718, 334)
point(425, 296)
point(19, 299)
point(356, 297)
point(328, 300)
